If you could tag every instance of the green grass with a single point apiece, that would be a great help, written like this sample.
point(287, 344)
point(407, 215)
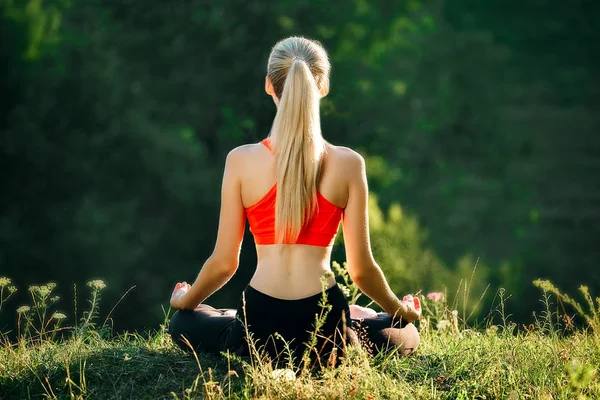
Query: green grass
point(467, 365)
point(551, 359)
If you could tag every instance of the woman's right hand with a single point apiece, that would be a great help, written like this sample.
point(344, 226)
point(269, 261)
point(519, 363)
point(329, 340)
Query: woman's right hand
point(413, 308)
point(181, 288)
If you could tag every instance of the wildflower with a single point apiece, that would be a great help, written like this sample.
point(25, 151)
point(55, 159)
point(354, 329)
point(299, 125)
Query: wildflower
point(444, 325)
point(328, 274)
point(58, 316)
point(284, 374)
point(42, 291)
point(97, 284)
point(344, 290)
point(4, 281)
point(435, 296)
point(23, 309)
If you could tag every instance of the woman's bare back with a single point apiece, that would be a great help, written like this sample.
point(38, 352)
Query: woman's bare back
point(294, 271)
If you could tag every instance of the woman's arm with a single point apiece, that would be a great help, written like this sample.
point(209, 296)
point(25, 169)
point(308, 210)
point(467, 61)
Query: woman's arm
point(223, 262)
point(362, 267)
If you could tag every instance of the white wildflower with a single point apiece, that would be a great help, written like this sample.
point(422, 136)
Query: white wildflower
point(444, 325)
point(58, 316)
point(23, 309)
point(344, 290)
point(97, 284)
point(42, 291)
point(285, 374)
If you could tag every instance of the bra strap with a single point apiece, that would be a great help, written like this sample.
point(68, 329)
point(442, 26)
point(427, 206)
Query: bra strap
point(267, 143)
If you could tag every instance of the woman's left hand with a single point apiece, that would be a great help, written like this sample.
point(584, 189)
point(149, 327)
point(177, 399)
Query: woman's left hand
point(181, 288)
point(414, 307)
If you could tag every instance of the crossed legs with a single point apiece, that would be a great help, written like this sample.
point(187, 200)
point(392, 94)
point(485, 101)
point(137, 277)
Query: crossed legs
point(214, 330)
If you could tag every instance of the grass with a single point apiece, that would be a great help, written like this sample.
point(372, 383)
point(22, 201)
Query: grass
point(551, 359)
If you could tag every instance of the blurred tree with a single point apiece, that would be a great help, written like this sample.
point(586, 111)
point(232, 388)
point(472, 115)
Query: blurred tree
point(120, 118)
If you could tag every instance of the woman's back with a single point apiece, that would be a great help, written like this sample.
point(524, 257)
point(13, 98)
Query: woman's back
point(292, 271)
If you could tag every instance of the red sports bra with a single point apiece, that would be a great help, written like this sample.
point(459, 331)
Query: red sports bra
point(320, 230)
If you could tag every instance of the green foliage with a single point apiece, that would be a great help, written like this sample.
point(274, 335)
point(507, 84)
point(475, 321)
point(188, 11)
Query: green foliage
point(591, 316)
point(401, 247)
point(87, 321)
point(120, 117)
point(36, 24)
point(7, 290)
point(312, 350)
point(349, 288)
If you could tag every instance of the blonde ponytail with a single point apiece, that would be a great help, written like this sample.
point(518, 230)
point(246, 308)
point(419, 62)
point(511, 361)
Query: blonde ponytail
point(299, 68)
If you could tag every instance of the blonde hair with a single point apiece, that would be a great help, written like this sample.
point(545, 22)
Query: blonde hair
point(299, 72)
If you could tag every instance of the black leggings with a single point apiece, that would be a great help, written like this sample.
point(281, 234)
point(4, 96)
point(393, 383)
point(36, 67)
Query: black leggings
point(274, 322)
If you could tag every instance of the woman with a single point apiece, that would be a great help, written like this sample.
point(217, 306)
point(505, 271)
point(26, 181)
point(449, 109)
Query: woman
point(294, 188)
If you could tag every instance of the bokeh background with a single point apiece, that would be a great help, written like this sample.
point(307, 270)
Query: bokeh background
point(479, 122)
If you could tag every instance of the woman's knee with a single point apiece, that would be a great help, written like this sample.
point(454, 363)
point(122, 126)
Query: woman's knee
point(178, 325)
point(404, 340)
point(410, 339)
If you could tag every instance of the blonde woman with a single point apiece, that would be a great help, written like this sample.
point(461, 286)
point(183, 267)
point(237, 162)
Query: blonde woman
point(294, 188)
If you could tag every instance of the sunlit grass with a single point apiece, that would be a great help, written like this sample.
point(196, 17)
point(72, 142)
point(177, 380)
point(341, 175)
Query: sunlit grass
point(549, 360)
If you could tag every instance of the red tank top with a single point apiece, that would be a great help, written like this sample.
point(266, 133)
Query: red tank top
point(320, 230)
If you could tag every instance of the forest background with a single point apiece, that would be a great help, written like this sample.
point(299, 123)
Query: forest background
point(479, 122)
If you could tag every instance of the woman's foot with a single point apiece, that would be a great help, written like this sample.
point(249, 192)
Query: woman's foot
point(358, 312)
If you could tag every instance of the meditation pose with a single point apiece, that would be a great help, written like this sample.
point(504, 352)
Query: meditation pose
point(294, 188)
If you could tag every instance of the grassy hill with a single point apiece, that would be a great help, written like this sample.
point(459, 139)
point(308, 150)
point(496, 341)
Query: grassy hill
point(552, 359)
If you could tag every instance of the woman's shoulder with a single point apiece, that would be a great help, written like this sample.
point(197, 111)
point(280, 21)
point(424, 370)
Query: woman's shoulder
point(344, 157)
point(246, 151)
